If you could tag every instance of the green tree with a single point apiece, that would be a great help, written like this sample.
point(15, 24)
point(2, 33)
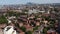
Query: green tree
point(3, 20)
point(23, 28)
point(45, 30)
point(35, 28)
point(28, 32)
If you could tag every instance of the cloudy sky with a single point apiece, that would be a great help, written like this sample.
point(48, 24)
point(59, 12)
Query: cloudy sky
point(6, 2)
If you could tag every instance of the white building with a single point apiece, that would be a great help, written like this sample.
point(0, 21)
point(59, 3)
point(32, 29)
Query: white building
point(42, 11)
point(9, 30)
point(35, 11)
point(12, 17)
point(32, 11)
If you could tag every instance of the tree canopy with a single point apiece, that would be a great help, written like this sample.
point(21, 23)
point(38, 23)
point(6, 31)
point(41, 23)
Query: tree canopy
point(3, 20)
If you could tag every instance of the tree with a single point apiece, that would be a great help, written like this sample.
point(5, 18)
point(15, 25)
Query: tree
point(45, 30)
point(3, 20)
point(28, 32)
point(35, 28)
point(23, 28)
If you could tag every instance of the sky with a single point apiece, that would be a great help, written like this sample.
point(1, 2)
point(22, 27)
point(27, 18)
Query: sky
point(7, 2)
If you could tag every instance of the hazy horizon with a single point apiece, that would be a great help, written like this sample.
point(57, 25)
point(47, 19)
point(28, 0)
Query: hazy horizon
point(8, 2)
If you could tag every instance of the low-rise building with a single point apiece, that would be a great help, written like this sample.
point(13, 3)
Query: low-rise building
point(28, 27)
point(9, 30)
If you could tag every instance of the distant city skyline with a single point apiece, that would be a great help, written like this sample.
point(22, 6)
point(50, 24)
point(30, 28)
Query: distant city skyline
point(8, 2)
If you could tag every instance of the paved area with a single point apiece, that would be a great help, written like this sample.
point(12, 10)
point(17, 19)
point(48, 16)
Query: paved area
point(1, 31)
